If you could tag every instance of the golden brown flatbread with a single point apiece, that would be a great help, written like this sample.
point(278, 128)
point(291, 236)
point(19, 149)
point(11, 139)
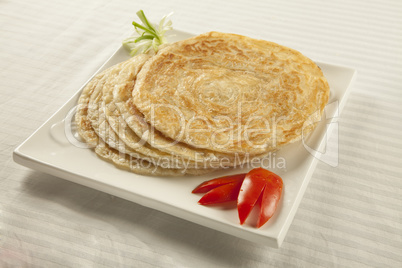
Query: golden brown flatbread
point(91, 125)
point(126, 137)
point(206, 103)
point(125, 118)
point(230, 93)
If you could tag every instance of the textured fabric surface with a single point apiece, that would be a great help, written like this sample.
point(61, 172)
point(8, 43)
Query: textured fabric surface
point(351, 213)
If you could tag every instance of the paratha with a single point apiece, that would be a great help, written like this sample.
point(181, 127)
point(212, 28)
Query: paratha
point(87, 131)
point(125, 118)
point(230, 93)
point(130, 142)
point(209, 102)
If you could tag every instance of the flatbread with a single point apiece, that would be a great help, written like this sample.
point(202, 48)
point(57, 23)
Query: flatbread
point(230, 93)
point(125, 119)
point(86, 130)
point(126, 139)
point(206, 103)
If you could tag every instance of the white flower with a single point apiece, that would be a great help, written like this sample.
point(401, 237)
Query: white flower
point(148, 36)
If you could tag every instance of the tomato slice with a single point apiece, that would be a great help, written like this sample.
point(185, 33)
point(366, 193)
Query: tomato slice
point(224, 193)
point(258, 185)
point(211, 184)
point(270, 199)
point(259, 181)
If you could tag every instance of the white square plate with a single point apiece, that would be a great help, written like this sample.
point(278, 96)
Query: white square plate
point(49, 150)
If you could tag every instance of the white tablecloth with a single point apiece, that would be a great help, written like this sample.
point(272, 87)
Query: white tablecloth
point(350, 215)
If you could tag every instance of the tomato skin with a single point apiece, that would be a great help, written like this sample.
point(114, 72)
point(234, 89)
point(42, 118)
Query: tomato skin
point(270, 199)
point(259, 182)
point(224, 193)
point(211, 184)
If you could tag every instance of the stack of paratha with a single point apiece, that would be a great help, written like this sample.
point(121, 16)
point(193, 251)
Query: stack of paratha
point(209, 102)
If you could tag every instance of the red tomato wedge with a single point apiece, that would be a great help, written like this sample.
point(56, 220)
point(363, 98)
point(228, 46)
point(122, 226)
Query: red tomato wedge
point(211, 184)
point(259, 182)
point(270, 199)
point(257, 186)
point(224, 193)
